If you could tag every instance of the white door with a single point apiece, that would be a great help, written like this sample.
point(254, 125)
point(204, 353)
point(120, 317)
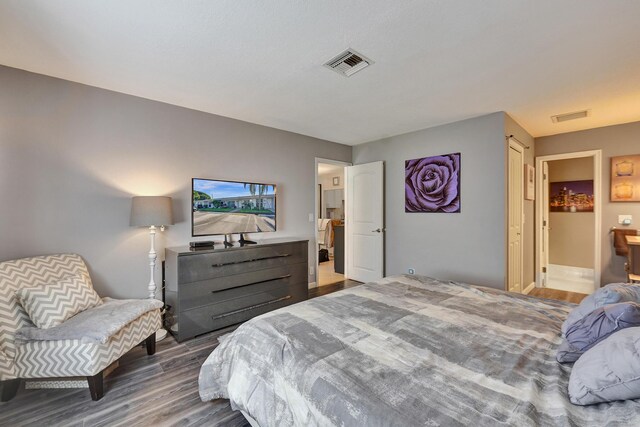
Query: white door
point(364, 202)
point(515, 190)
point(544, 258)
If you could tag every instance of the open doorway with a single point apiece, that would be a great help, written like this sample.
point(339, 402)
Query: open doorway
point(330, 221)
point(568, 221)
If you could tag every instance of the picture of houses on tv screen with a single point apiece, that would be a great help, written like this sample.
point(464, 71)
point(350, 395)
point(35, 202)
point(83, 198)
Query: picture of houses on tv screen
point(224, 207)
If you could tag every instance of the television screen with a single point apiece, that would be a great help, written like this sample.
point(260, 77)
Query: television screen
point(225, 207)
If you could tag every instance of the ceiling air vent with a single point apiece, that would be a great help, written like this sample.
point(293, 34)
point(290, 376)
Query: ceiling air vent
point(570, 116)
point(348, 63)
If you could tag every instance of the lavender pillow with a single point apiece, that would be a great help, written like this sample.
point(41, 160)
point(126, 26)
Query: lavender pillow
point(595, 327)
point(611, 294)
point(609, 371)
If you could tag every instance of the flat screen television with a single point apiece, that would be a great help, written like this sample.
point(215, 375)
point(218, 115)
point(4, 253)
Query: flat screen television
point(227, 207)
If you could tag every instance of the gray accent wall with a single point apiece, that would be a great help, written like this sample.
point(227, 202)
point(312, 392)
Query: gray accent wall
point(613, 141)
point(71, 157)
point(467, 246)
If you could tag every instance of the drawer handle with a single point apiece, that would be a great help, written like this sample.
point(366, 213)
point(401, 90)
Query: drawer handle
point(251, 260)
point(231, 313)
point(286, 276)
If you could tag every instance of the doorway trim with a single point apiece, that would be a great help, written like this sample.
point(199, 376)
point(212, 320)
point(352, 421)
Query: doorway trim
point(597, 209)
point(316, 209)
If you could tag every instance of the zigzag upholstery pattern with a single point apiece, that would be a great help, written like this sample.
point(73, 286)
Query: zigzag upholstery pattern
point(23, 273)
point(41, 359)
point(70, 358)
point(51, 304)
point(6, 366)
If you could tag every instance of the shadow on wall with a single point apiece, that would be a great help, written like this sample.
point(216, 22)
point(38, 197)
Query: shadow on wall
point(63, 206)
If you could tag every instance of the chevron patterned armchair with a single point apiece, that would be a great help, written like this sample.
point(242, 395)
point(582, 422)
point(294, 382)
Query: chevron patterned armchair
point(20, 359)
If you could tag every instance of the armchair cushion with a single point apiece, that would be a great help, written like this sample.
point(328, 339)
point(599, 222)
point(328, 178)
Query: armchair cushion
point(95, 325)
point(73, 358)
point(50, 304)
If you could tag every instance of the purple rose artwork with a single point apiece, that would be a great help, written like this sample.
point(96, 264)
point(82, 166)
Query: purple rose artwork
point(432, 184)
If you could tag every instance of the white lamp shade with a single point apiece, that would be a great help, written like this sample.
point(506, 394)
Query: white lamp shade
point(151, 210)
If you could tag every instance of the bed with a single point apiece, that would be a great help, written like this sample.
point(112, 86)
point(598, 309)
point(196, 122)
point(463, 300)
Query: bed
point(405, 351)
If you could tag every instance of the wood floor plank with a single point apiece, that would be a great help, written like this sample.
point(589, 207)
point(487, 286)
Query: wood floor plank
point(557, 294)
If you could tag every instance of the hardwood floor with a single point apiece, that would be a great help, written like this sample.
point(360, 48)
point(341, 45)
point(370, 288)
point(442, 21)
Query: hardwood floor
point(557, 294)
point(159, 390)
point(327, 289)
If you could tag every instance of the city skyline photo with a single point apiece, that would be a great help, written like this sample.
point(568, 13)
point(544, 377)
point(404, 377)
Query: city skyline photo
point(571, 196)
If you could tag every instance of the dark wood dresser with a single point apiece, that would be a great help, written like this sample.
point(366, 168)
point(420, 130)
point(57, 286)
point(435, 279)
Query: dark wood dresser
point(211, 288)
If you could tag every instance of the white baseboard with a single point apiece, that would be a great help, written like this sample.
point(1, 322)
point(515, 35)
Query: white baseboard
point(529, 288)
point(569, 272)
point(313, 285)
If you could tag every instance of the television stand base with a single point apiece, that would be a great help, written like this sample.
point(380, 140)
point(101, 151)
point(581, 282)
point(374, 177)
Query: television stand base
point(243, 241)
point(227, 243)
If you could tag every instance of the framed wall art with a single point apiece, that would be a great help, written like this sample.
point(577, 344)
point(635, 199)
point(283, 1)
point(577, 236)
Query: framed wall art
point(529, 182)
point(625, 178)
point(571, 196)
point(432, 184)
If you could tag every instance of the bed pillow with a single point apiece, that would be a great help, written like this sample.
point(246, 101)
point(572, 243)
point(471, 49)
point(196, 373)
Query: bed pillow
point(595, 327)
point(566, 353)
point(51, 304)
point(611, 294)
point(609, 371)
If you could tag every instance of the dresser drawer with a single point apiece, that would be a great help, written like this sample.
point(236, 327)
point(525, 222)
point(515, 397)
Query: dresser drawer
point(217, 287)
point(220, 289)
point(198, 267)
point(218, 315)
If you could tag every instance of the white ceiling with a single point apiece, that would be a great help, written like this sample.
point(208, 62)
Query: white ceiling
point(436, 61)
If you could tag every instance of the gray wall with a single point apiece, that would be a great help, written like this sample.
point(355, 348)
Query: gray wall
point(571, 240)
point(467, 246)
point(613, 141)
point(511, 127)
point(71, 156)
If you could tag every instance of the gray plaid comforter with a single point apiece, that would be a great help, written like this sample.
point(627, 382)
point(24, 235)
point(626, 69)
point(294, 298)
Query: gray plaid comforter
point(404, 351)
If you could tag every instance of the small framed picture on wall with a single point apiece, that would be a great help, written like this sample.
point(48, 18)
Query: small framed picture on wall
point(529, 182)
point(625, 178)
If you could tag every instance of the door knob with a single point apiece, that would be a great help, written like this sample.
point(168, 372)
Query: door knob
point(377, 230)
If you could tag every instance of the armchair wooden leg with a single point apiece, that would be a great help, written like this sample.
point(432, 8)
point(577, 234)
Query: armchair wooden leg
point(151, 344)
point(96, 386)
point(9, 389)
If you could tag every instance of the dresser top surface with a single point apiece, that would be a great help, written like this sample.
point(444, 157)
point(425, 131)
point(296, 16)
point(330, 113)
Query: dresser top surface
point(219, 246)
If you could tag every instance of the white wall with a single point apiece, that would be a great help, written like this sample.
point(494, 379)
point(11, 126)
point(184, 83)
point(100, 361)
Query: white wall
point(71, 157)
point(326, 180)
point(467, 246)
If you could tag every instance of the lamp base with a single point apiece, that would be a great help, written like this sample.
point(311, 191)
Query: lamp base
point(161, 334)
